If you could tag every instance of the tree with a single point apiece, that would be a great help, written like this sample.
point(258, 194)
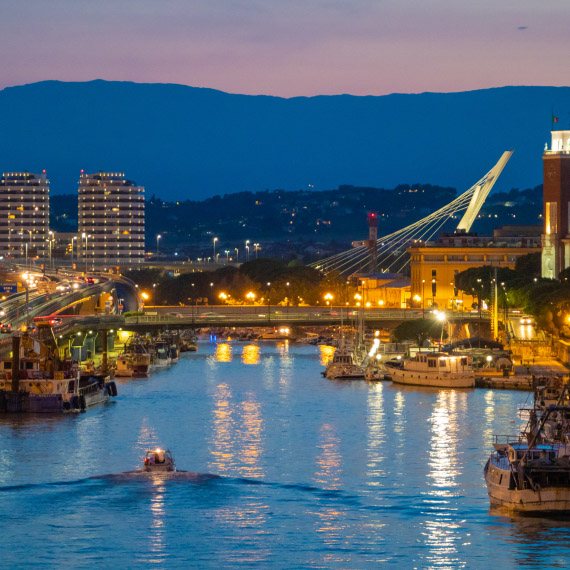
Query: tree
point(419, 330)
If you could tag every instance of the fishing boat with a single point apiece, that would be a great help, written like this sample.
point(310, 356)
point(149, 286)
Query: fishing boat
point(158, 460)
point(36, 380)
point(161, 354)
point(529, 477)
point(530, 473)
point(434, 369)
point(134, 362)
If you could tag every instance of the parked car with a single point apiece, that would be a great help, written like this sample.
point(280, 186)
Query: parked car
point(5, 328)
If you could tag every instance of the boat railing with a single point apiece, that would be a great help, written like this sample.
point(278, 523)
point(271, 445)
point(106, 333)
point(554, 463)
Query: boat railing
point(507, 439)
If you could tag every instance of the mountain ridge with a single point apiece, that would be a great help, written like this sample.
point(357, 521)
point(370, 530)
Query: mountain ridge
point(184, 142)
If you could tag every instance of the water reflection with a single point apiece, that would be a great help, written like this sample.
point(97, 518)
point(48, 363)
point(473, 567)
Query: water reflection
point(251, 449)
point(329, 462)
point(250, 354)
point(223, 352)
point(376, 434)
point(157, 546)
point(326, 354)
point(442, 529)
point(222, 431)
point(331, 521)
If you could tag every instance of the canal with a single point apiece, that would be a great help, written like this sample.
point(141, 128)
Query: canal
point(288, 470)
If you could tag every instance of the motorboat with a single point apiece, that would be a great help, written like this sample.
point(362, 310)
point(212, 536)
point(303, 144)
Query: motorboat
point(134, 362)
point(434, 369)
point(343, 366)
point(158, 460)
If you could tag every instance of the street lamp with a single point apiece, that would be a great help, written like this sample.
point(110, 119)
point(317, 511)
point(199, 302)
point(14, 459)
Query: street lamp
point(74, 238)
point(50, 241)
point(237, 254)
point(247, 250)
point(441, 317)
point(256, 249)
point(227, 252)
point(214, 241)
point(328, 297)
point(250, 296)
point(158, 238)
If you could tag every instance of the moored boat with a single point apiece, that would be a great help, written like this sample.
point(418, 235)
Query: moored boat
point(35, 380)
point(529, 478)
point(530, 473)
point(343, 366)
point(434, 369)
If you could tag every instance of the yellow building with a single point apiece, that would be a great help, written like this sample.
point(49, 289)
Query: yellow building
point(434, 267)
point(388, 290)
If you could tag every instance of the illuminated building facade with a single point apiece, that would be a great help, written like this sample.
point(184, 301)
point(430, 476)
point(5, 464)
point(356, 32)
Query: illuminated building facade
point(434, 266)
point(111, 220)
point(24, 215)
point(556, 206)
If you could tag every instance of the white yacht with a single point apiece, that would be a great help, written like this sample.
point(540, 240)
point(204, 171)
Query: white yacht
point(436, 370)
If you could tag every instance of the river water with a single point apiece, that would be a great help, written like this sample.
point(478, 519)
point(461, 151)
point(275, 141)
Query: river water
point(288, 470)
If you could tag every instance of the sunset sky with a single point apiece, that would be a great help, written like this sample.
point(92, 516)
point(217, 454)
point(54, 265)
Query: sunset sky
point(289, 48)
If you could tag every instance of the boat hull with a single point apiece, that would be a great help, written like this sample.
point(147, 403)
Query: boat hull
point(542, 501)
point(432, 380)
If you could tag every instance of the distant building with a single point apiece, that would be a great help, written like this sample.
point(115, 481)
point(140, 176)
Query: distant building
point(111, 220)
point(556, 205)
point(24, 215)
point(434, 265)
point(387, 290)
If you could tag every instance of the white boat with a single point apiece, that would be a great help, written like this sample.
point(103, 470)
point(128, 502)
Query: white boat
point(343, 366)
point(158, 460)
point(436, 370)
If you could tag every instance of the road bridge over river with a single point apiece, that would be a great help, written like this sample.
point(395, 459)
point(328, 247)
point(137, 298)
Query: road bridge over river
point(248, 317)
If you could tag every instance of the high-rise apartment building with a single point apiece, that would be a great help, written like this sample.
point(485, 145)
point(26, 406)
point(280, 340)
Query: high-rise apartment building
point(24, 215)
point(111, 220)
point(556, 206)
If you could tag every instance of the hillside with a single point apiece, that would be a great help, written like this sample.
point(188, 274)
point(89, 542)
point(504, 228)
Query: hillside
point(298, 219)
point(189, 143)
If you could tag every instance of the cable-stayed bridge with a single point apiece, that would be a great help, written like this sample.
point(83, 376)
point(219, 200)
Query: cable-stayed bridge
point(388, 253)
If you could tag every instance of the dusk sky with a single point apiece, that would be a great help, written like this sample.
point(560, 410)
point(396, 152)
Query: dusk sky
point(289, 48)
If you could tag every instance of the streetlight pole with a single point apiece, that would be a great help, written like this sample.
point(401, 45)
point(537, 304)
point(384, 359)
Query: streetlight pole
point(227, 252)
point(237, 254)
point(268, 302)
point(247, 250)
point(74, 238)
point(84, 236)
point(256, 248)
point(158, 238)
point(423, 299)
point(214, 241)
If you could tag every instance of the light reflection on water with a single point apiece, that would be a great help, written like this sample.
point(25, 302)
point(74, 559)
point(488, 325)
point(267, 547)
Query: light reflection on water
point(326, 354)
point(250, 354)
point(442, 529)
point(313, 473)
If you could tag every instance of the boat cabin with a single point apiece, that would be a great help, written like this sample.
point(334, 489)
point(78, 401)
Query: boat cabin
point(439, 362)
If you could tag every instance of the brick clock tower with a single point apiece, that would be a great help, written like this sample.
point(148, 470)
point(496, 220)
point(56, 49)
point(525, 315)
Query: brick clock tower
point(556, 206)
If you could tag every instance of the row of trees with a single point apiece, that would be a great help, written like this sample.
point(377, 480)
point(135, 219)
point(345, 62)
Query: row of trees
point(273, 281)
